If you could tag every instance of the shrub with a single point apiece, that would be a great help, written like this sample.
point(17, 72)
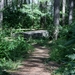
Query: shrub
point(14, 48)
point(63, 51)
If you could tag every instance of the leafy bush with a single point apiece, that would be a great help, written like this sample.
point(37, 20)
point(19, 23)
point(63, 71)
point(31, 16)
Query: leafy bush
point(33, 12)
point(14, 18)
point(17, 47)
point(9, 64)
point(11, 17)
point(12, 50)
point(58, 49)
point(63, 51)
point(26, 16)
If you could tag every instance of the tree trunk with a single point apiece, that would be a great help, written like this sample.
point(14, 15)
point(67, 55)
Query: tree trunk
point(27, 1)
point(35, 1)
point(51, 8)
point(63, 11)
point(43, 8)
point(24, 1)
point(1, 13)
point(41, 18)
point(56, 17)
point(71, 5)
point(5, 2)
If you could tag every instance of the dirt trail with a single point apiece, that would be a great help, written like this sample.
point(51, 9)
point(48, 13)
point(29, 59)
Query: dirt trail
point(35, 65)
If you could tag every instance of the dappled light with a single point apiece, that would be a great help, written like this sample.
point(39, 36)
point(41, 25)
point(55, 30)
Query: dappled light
point(36, 64)
point(37, 37)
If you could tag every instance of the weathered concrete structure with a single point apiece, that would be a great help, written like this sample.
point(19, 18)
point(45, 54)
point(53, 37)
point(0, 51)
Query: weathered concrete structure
point(35, 34)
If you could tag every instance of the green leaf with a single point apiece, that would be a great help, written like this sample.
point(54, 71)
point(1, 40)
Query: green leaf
point(71, 56)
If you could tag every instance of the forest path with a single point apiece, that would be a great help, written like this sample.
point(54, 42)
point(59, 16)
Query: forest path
point(36, 65)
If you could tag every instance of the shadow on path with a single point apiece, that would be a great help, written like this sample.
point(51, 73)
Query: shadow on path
point(35, 65)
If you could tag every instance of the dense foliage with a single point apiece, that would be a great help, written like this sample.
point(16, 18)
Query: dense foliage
point(12, 50)
point(56, 16)
point(26, 16)
point(63, 50)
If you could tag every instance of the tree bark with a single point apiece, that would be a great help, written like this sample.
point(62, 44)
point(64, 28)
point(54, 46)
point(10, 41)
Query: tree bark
point(5, 2)
point(56, 17)
point(27, 1)
point(1, 12)
point(63, 11)
point(71, 5)
point(43, 8)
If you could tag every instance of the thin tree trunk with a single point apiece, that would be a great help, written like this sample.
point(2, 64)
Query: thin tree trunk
point(1, 13)
point(43, 8)
point(21, 2)
point(41, 18)
point(71, 5)
point(51, 8)
point(56, 17)
point(63, 11)
point(5, 2)
point(27, 1)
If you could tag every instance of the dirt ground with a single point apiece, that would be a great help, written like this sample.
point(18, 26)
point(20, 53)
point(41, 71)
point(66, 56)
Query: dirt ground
point(36, 65)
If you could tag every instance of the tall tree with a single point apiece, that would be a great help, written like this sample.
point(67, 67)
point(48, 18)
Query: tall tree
point(1, 13)
point(63, 11)
point(5, 2)
point(28, 1)
point(56, 17)
point(71, 5)
point(43, 8)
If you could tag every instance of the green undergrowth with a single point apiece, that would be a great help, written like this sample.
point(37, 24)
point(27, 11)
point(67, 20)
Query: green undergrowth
point(63, 51)
point(12, 51)
point(39, 41)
